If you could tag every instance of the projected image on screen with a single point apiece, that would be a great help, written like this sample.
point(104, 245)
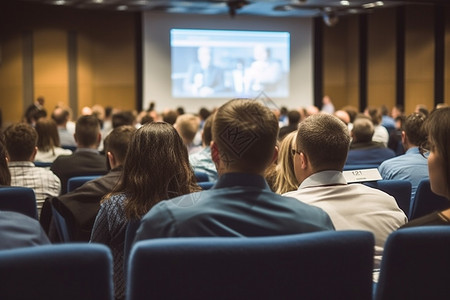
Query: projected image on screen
point(229, 63)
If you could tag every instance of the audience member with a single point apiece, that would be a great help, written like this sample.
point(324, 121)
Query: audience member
point(187, 126)
point(156, 168)
point(293, 119)
point(327, 105)
point(86, 160)
point(437, 125)
point(387, 121)
point(395, 137)
point(343, 116)
point(380, 133)
point(35, 111)
point(363, 150)
point(123, 118)
point(320, 153)
point(202, 161)
point(84, 202)
point(18, 230)
point(397, 111)
point(241, 203)
point(61, 116)
point(412, 165)
point(421, 108)
point(285, 180)
point(21, 144)
point(48, 142)
point(170, 116)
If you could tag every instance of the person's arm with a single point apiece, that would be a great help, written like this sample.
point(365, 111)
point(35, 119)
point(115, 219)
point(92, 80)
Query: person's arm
point(157, 223)
point(100, 231)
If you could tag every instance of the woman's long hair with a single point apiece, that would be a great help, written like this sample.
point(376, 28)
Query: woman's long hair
point(156, 168)
point(285, 180)
point(48, 137)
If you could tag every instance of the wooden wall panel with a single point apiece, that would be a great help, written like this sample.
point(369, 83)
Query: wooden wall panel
point(11, 92)
point(381, 58)
point(447, 57)
point(419, 57)
point(51, 75)
point(352, 50)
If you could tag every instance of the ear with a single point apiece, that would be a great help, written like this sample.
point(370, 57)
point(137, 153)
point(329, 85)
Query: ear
point(215, 154)
point(404, 137)
point(275, 155)
point(99, 138)
point(304, 161)
point(33, 155)
point(111, 159)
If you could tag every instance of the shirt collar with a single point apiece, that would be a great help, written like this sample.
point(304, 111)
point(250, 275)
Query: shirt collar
point(323, 178)
point(241, 179)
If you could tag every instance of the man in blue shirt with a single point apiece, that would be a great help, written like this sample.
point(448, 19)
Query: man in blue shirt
point(412, 165)
point(244, 134)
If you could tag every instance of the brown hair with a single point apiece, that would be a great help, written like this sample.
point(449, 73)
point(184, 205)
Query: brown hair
point(87, 129)
point(362, 130)
point(414, 130)
point(325, 140)
point(156, 168)
point(117, 141)
point(5, 175)
point(48, 136)
point(246, 133)
point(20, 140)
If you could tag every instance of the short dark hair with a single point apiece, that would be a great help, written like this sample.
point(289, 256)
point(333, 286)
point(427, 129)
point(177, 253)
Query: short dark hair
point(413, 127)
point(87, 129)
point(207, 130)
point(363, 130)
point(294, 117)
point(118, 140)
point(21, 140)
point(123, 118)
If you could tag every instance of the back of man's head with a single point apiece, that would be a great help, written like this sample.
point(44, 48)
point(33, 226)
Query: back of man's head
point(118, 140)
point(293, 117)
point(123, 118)
point(414, 130)
point(325, 140)
point(60, 116)
point(87, 130)
point(20, 140)
point(187, 126)
point(362, 130)
point(245, 133)
point(207, 130)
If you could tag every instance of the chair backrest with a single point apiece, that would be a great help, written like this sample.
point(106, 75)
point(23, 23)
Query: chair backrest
point(77, 181)
point(55, 272)
point(201, 176)
point(206, 185)
point(19, 199)
point(130, 233)
point(415, 264)
point(399, 189)
point(42, 164)
point(360, 167)
point(425, 201)
point(63, 220)
point(319, 265)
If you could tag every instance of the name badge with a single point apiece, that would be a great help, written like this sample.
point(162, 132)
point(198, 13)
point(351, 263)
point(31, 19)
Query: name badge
point(362, 175)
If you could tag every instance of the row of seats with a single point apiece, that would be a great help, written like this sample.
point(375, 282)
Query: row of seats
point(319, 265)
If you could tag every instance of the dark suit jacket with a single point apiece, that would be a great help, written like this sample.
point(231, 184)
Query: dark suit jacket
point(82, 162)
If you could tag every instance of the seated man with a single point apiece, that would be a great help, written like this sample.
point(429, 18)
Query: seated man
point(86, 160)
point(201, 161)
point(21, 145)
point(321, 150)
point(241, 203)
point(364, 151)
point(84, 202)
point(412, 165)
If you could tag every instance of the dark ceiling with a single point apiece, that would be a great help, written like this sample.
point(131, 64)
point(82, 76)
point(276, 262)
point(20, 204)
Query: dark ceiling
point(277, 8)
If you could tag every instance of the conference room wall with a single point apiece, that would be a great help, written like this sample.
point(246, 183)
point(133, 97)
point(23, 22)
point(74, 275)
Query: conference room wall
point(70, 56)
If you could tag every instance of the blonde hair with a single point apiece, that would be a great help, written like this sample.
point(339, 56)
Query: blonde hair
point(285, 180)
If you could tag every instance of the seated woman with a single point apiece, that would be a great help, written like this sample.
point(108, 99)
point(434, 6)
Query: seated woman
point(437, 125)
point(285, 180)
point(156, 168)
point(48, 144)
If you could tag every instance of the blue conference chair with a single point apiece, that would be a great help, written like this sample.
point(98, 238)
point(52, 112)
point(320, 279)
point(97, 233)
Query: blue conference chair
point(359, 167)
point(19, 199)
point(319, 265)
point(201, 176)
point(425, 201)
point(415, 264)
point(63, 220)
point(77, 181)
point(399, 189)
point(55, 272)
point(42, 164)
point(206, 185)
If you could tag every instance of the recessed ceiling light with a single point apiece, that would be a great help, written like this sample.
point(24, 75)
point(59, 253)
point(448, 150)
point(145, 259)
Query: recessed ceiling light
point(97, 1)
point(122, 7)
point(368, 5)
point(60, 2)
point(379, 3)
point(345, 3)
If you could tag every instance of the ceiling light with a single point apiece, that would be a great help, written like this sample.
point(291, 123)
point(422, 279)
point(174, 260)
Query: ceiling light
point(369, 5)
point(97, 1)
point(60, 2)
point(345, 3)
point(379, 3)
point(122, 7)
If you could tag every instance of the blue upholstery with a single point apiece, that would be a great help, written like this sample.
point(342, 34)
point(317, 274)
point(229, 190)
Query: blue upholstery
point(415, 264)
point(42, 164)
point(319, 265)
point(19, 199)
point(201, 176)
point(130, 233)
point(399, 189)
point(205, 185)
point(425, 201)
point(77, 181)
point(55, 272)
point(63, 220)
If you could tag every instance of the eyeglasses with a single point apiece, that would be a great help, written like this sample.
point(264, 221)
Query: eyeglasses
point(294, 151)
